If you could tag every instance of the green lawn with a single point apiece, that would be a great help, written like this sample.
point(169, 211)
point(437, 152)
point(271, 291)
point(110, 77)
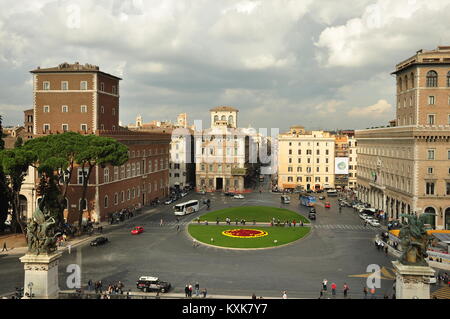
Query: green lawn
point(283, 235)
point(250, 213)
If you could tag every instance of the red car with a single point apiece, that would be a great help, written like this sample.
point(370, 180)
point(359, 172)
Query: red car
point(137, 230)
point(327, 205)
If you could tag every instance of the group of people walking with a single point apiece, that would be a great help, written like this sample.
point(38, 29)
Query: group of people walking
point(333, 286)
point(286, 223)
point(189, 290)
point(113, 288)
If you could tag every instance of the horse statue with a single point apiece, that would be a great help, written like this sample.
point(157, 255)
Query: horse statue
point(41, 230)
point(414, 241)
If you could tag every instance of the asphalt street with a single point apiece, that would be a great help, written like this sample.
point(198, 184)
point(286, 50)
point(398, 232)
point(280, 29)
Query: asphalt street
point(339, 249)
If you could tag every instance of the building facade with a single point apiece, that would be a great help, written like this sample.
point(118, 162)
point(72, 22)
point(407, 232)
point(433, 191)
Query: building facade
point(306, 159)
point(222, 153)
point(405, 169)
point(81, 98)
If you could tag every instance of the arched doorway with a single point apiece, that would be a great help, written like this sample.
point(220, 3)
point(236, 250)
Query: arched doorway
point(430, 217)
point(447, 219)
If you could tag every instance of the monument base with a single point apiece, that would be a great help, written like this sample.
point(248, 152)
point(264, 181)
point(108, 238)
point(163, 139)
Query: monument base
point(41, 276)
point(411, 281)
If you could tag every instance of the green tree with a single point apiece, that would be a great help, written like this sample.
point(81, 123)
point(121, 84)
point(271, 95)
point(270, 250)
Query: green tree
point(101, 151)
point(4, 193)
point(15, 164)
point(55, 162)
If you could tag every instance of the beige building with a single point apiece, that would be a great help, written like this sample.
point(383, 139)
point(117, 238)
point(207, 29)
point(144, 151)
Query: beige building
point(306, 159)
point(222, 153)
point(406, 169)
point(352, 162)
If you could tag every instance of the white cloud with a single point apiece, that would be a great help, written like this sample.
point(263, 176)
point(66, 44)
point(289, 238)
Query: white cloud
point(381, 109)
point(382, 28)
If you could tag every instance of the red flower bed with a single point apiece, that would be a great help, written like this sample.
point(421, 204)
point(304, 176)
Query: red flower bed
point(245, 233)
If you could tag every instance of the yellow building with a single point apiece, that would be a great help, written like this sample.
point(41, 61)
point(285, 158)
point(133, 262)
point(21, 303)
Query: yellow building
point(305, 159)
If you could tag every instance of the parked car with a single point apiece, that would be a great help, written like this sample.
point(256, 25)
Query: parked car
point(99, 241)
point(201, 192)
point(239, 196)
point(149, 283)
point(229, 194)
point(168, 202)
point(374, 222)
point(321, 197)
point(363, 216)
point(137, 230)
point(327, 205)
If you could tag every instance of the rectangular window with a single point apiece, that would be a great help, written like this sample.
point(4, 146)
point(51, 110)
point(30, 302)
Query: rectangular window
point(64, 85)
point(430, 170)
point(448, 188)
point(431, 100)
point(83, 85)
point(431, 154)
point(65, 109)
point(430, 188)
point(431, 119)
point(83, 109)
point(102, 86)
point(65, 127)
point(82, 175)
point(114, 90)
point(46, 128)
point(46, 109)
point(84, 127)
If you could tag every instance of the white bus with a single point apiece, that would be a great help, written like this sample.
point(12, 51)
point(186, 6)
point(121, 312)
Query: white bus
point(332, 193)
point(187, 208)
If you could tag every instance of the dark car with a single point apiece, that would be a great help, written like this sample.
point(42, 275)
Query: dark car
point(312, 215)
point(148, 284)
point(99, 241)
point(229, 194)
point(312, 210)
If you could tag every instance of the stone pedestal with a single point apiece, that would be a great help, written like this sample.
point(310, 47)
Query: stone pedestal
point(411, 281)
point(42, 272)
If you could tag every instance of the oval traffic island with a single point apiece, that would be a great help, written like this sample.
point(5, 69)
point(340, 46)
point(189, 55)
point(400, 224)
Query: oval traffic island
point(261, 235)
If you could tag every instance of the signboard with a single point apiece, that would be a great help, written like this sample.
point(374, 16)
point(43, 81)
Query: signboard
point(239, 171)
point(341, 165)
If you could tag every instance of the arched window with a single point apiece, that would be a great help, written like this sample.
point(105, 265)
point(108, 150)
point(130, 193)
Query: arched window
point(412, 80)
point(106, 201)
point(448, 79)
point(406, 82)
point(432, 79)
point(400, 87)
point(116, 199)
point(224, 118)
point(230, 119)
point(216, 118)
point(83, 204)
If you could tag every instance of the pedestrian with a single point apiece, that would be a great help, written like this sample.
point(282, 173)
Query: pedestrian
point(253, 296)
point(69, 248)
point(190, 291)
point(178, 228)
point(321, 294)
point(333, 289)
point(294, 222)
point(372, 292)
point(285, 295)
point(346, 289)
point(324, 285)
point(100, 286)
point(197, 289)
point(217, 221)
point(365, 291)
point(205, 292)
point(90, 285)
point(186, 291)
point(161, 222)
point(120, 287)
point(386, 249)
point(4, 247)
point(194, 243)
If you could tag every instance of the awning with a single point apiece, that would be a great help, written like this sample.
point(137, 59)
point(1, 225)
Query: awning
point(289, 185)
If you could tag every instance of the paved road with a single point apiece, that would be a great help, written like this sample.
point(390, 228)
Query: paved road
point(339, 249)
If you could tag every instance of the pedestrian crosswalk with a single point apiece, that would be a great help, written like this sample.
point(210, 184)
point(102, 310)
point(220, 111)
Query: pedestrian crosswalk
point(441, 293)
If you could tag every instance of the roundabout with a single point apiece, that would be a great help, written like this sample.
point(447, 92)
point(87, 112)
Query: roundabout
point(226, 227)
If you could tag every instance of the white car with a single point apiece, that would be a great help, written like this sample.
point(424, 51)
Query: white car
point(363, 216)
point(374, 223)
point(238, 196)
point(430, 279)
point(184, 194)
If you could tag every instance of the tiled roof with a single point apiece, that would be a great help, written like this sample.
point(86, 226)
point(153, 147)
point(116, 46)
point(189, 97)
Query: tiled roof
point(224, 109)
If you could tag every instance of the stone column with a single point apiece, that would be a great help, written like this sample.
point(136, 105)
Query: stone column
point(41, 273)
point(410, 281)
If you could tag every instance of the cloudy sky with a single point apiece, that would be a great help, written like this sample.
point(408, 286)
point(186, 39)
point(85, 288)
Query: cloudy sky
point(321, 64)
